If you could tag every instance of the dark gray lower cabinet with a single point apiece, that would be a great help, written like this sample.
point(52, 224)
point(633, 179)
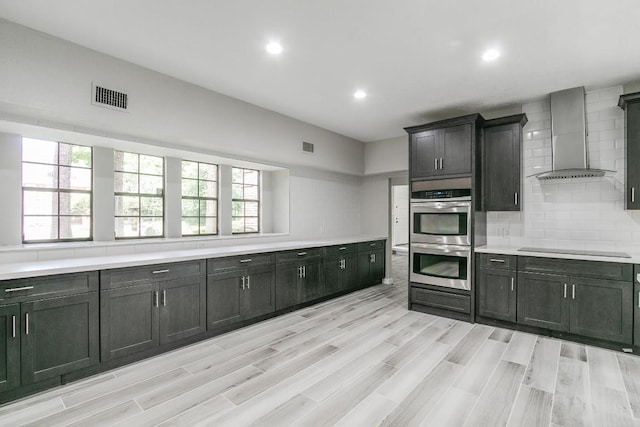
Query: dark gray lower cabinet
point(636, 309)
point(233, 296)
point(129, 320)
point(10, 351)
point(496, 294)
point(542, 301)
point(595, 308)
point(141, 317)
point(340, 274)
point(298, 283)
point(370, 267)
point(601, 309)
point(60, 335)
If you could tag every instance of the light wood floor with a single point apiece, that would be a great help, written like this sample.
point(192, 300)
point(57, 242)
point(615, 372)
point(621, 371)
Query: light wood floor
point(360, 360)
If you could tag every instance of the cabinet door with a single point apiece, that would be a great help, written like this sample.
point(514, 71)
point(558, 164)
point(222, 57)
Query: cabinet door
point(260, 292)
point(377, 266)
point(288, 286)
point(60, 335)
point(633, 155)
point(333, 276)
point(636, 315)
point(456, 150)
point(364, 269)
point(542, 300)
point(501, 168)
point(602, 309)
point(128, 320)
point(312, 286)
point(496, 293)
point(10, 352)
point(423, 154)
point(183, 308)
point(224, 298)
point(349, 275)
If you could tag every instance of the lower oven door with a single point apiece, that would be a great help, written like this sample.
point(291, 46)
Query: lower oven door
point(441, 265)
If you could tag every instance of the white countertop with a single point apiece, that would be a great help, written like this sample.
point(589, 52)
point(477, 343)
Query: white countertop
point(510, 250)
point(73, 265)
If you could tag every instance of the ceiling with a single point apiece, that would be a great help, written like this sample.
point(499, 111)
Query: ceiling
point(418, 60)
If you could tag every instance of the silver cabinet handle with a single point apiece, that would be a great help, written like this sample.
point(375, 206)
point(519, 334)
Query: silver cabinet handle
point(638, 304)
point(301, 253)
point(342, 248)
point(23, 288)
point(633, 194)
point(435, 163)
point(638, 277)
point(246, 260)
point(501, 261)
point(565, 290)
point(515, 196)
point(304, 271)
point(248, 282)
point(372, 244)
point(13, 326)
point(299, 272)
point(156, 297)
point(372, 258)
point(512, 284)
point(573, 291)
point(243, 283)
point(26, 323)
point(164, 297)
point(160, 271)
point(441, 163)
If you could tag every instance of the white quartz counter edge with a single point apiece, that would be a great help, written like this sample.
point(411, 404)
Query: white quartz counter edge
point(74, 265)
point(503, 250)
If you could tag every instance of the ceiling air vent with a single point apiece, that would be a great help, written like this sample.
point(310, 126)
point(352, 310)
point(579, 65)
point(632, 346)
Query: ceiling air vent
point(109, 98)
point(307, 147)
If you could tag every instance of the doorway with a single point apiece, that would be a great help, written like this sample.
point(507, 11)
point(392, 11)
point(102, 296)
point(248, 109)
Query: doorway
point(400, 218)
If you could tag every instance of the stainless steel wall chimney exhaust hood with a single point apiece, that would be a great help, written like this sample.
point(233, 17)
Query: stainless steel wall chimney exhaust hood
point(569, 138)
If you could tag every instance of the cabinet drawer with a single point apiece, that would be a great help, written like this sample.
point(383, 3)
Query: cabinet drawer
point(365, 246)
point(441, 300)
point(300, 254)
point(215, 265)
point(122, 277)
point(502, 262)
point(48, 286)
point(338, 250)
point(571, 267)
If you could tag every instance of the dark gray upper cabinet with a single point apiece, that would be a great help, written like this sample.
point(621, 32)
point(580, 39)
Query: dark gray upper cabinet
point(630, 103)
point(444, 148)
point(501, 149)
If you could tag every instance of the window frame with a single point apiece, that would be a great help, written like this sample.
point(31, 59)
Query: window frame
point(140, 195)
point(258, 201)
point(199, 199)
point(57, 191)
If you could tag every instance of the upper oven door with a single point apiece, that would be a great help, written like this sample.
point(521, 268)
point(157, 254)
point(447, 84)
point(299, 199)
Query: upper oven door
point(446, 223)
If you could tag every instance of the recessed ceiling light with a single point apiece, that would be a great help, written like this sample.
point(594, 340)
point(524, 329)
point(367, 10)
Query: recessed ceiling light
point(491, 55)
point(274, 48)
point(360, 94)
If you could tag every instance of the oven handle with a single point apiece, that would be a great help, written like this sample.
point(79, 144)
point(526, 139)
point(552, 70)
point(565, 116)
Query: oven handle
point(453, 250)
point(441, 206)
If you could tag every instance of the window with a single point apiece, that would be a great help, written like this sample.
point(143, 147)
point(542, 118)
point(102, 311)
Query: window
point(199, 198)
point(245, 188)
point(56, 191)
point(139, 193)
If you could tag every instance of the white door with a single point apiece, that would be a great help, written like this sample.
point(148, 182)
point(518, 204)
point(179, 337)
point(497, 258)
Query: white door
point(400, 200)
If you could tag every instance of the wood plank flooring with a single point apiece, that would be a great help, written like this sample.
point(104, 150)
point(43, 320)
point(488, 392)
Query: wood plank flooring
point(359, 360)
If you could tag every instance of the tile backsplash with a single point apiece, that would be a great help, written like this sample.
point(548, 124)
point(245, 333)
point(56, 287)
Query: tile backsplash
point(583, 213)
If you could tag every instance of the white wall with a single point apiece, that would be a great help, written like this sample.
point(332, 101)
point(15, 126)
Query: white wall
point(47, 81)
point(577, 213)
point(386, 155)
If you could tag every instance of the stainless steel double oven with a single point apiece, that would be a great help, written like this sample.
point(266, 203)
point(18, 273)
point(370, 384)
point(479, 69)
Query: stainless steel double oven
point(440, 250)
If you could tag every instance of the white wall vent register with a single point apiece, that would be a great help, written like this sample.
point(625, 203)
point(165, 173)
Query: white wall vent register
point(109, 98)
